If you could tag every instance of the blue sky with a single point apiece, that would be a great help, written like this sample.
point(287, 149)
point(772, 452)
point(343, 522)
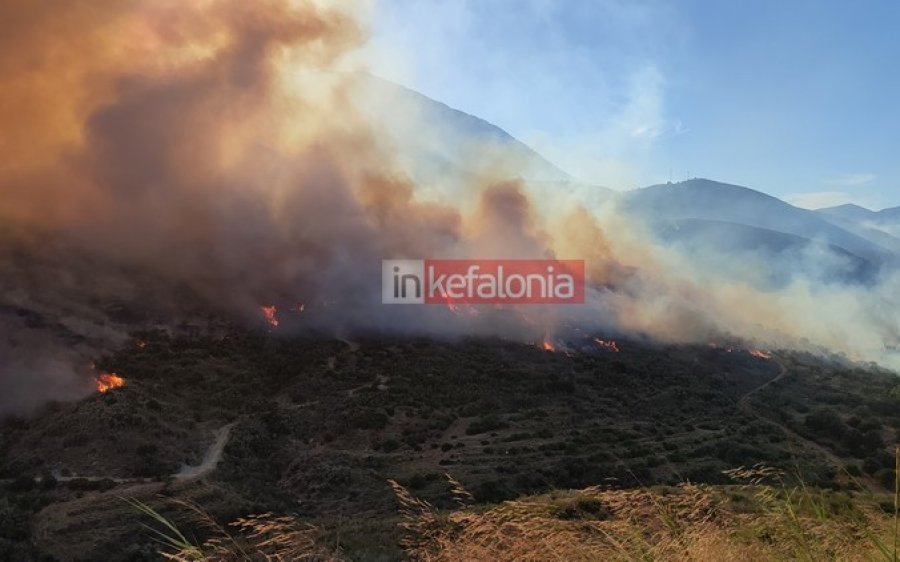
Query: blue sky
point(797, 98)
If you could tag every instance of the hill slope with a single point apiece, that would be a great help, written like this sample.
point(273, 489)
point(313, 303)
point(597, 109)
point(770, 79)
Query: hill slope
point(319, 427)
point(438, 143)
point(719, 205)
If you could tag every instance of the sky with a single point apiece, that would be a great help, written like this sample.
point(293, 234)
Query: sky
point(799, 99)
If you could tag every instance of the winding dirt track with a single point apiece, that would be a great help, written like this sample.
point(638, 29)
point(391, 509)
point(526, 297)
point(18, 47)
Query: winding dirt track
point(210, 459)
point(744, 403)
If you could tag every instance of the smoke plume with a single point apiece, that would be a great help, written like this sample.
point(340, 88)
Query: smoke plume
point(167, 160)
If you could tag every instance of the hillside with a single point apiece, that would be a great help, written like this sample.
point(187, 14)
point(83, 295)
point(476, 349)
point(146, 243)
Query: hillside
point(858, 213)
point(881, 227)
point(848, 211)
point(711, 200)
point(504, 419)
point(440, 144)
point(779, 257)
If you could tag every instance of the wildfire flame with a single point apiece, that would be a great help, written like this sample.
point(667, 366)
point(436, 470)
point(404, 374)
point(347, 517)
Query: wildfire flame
point(608, 345)
point(460, 310)
point(547, 346)
point(759, 353)
point(270, 314)
point(108, 381)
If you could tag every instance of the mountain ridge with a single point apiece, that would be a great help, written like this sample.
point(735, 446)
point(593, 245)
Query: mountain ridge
point(854, 208)
point(711, 200)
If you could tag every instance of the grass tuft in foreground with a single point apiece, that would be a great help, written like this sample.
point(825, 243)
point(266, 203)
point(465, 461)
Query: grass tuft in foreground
point(761, 517)
point(263, 537)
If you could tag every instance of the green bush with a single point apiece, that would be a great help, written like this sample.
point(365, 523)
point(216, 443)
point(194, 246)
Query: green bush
point(827, 422)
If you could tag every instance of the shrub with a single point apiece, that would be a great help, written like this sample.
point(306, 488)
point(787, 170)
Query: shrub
point(369, 419)
point(13, 521)
point(826, 422)
point(388, 445)
point(484, 424)
point(886, 477)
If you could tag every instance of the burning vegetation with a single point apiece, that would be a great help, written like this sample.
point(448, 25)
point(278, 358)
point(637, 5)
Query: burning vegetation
point(608, 345)
point(270, 313)
point(108, 381)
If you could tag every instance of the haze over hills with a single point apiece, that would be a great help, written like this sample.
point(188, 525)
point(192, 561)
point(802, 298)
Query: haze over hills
point(440, 144)
point(711, 200)
point(848, 211)
point(881, 226)
point(847, 243)
point(705, 215)
point(860, 213)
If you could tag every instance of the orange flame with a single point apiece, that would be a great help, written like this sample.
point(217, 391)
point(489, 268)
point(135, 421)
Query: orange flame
point(270, 313)
point(547, 346)
point(759, 353)
point(108, 381)
point(609, 345)
point(460, 310)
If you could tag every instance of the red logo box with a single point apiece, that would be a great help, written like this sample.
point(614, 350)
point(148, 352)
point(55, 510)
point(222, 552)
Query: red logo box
point(504, 281)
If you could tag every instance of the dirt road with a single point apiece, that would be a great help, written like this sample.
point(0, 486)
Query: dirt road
point(210, 459)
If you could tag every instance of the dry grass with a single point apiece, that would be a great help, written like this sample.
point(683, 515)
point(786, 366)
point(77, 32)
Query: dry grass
point(690, 522)
point(264, 537)
point(761, 518)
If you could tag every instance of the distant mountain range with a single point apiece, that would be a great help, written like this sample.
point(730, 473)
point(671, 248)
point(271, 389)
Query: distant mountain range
point(711, 200)
point(882, 226)
point(705, 218)
point(857, 213)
